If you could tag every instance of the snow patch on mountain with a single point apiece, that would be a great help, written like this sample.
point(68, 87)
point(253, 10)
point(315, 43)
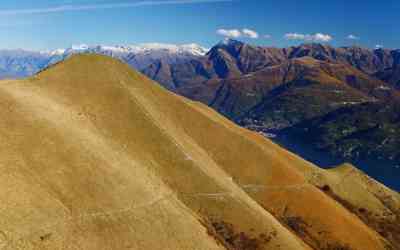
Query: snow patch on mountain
point(188, 49)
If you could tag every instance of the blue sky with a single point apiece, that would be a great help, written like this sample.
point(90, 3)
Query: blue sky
point(50, 24)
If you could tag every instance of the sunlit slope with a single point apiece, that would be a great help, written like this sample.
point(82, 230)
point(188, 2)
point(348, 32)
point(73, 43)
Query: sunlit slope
point(96, 156)
point(266, 172)
point(87, 165)
point(372, 202)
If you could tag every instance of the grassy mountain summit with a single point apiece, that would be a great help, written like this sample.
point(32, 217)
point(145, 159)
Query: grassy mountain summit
point(96, 156)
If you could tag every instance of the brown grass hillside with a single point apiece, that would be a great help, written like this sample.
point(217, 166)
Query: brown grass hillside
point(96, 156)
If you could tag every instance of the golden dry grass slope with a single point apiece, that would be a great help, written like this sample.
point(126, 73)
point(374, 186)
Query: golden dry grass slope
point(95, 156)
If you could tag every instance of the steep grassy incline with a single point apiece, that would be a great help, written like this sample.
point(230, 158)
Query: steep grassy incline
point(95, 156)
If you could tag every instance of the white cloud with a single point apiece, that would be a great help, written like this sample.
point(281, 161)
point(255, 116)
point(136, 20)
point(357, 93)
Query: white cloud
point(232, 33)
point(267, 36)
point(237, 33)
point(352, 37)
point(250, 33)
point(110, 5)
point(318, 37)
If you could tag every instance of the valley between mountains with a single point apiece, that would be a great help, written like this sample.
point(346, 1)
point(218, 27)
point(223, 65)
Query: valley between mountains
point(329, 105)
point(95, 155)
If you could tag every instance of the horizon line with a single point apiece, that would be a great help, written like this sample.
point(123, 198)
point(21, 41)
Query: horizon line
point(182, 44)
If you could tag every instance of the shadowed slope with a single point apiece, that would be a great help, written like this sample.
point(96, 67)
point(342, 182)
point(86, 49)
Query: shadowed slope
point(96, 156)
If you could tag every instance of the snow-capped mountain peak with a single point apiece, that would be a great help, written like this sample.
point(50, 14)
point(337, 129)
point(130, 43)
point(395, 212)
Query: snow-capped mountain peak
point(22, 63)
point(187, 49)
point(80, 47)
point(55, 52)
point(193, 49)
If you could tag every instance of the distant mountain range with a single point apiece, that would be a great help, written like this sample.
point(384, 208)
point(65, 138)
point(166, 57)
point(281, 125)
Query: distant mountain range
point(327, 104)
point(23, 63)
